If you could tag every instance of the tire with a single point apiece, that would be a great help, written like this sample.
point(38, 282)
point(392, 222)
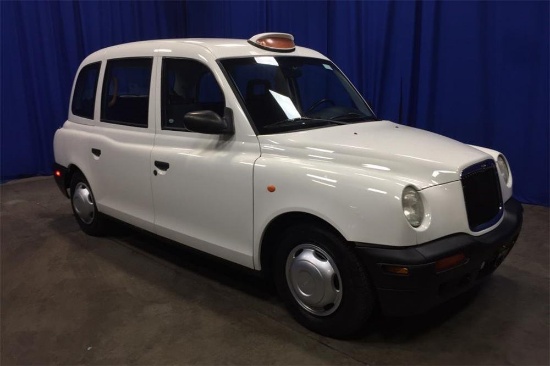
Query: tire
point(84, 208)
point(322, 282)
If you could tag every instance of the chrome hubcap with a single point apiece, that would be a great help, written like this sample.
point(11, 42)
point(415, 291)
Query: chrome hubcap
point(83, 203)
point(313, 279)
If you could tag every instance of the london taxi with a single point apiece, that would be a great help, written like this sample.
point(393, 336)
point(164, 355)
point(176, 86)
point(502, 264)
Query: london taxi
point(263, 153)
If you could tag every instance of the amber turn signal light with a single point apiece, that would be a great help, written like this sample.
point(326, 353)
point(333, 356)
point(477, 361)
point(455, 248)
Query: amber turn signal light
point(398, 270)
point(450, 262)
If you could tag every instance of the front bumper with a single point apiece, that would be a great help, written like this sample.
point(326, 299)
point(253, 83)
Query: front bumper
point(424, 287)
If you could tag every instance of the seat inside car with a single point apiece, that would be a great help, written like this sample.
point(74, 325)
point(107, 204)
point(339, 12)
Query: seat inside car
point(261, 105)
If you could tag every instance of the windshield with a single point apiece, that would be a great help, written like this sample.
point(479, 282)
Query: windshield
point(294, 93)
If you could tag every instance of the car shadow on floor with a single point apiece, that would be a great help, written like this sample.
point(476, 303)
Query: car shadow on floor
point(204, 264)
point(382, 328)
point(402, 329)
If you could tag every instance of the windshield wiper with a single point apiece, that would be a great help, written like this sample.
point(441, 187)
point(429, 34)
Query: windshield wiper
point(352, 116)
point(305, 121)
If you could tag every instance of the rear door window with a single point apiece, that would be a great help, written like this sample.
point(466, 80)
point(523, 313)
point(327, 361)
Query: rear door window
point(125, 98)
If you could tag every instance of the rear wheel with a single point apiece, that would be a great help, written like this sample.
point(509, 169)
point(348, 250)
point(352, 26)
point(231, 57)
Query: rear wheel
point(322, 282)
point(84, 207)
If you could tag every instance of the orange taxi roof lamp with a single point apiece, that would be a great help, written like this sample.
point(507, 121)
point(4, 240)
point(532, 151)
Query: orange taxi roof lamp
point(278, 42)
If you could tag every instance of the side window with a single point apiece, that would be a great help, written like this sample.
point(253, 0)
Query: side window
point(84, 91)
point(125, 97)
point(187, 86)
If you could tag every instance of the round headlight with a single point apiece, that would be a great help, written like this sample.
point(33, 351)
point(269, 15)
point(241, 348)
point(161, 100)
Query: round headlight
point(413, 208)
point(503, 169)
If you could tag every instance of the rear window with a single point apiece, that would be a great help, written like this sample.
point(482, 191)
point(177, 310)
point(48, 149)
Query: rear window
point(85, 90)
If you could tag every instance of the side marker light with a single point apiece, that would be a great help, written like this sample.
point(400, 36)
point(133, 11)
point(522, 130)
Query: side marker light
point(450, 262)
point(398, 270)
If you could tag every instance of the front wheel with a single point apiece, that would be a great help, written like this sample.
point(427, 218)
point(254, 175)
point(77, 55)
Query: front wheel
point(84, 208)
point(322, 282)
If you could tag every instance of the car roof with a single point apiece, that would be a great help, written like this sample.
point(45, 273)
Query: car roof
point(216, 47)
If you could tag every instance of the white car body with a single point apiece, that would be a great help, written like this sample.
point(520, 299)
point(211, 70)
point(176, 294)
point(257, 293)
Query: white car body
point(214, 197)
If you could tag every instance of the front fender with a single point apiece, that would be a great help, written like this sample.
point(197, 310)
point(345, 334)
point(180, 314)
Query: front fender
point(362, 208)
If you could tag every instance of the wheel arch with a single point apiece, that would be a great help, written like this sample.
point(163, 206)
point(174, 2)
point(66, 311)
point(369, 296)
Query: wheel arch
point(276, 227)
point(71, 170)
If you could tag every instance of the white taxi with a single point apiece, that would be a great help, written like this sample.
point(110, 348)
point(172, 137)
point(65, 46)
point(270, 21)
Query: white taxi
point(264, 154)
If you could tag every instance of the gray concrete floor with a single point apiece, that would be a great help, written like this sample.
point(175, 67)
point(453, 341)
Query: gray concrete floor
point(130, 298)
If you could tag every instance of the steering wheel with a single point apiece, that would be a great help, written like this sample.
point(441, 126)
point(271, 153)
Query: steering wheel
point(318, 103)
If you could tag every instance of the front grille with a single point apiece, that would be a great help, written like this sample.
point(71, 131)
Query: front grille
point(482, 196)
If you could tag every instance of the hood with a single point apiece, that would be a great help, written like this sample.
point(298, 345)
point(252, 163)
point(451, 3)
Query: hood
point(381, 148)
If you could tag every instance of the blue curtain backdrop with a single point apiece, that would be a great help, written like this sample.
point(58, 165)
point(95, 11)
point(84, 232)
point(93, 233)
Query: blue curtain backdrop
point(473, 71)
point(43, 43)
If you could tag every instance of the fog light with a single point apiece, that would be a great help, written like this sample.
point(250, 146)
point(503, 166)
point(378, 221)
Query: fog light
point(398, 270)
point(450, 262)
point(58, 173)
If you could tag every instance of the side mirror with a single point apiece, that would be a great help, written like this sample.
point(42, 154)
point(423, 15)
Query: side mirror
point(210, 122)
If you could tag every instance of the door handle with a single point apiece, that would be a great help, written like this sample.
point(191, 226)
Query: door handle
point(162, 165)
point(96, 152)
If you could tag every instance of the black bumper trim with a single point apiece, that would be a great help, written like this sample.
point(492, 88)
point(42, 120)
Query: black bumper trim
point(423, 288)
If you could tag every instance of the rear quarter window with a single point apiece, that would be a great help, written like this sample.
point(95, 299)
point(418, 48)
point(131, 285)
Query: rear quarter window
point(85, 91)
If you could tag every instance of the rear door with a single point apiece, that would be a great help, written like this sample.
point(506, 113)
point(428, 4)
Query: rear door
point(121, 147)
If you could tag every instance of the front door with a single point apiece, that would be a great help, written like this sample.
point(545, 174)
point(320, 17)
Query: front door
point(202, 184)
